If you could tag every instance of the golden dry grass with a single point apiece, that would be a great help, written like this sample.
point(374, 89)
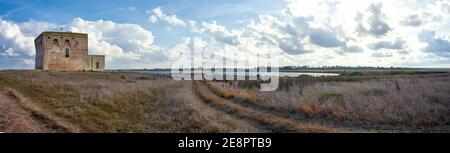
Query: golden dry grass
point(410, 103)
point(275, 123)
point(133, 102)
point(120, 102)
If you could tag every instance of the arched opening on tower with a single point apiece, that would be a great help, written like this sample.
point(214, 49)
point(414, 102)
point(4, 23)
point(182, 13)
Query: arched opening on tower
point(55, 42)
point(67, 43)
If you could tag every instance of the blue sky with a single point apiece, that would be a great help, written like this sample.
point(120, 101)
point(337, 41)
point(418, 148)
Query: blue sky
point(133, 11)
point(411, 33)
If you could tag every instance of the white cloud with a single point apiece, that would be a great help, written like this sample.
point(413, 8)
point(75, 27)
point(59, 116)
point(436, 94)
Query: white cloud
point(28, 61)
point(291, 37)
point(173, 20)
point(158, 12)
point(123, 44)
point(34, 28)
point(324, 38)
point(412, 20)
point(438, 46)
point(17, 42)
point(397, 44)
point(328, 32)
point(373, 22)
point(153, 19)
point(9, 52)
point(220, 33)
point(158, 15)
point(12, 36)
point(381, 54)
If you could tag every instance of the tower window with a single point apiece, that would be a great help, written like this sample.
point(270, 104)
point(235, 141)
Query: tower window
point(67, 43)
point(67, 52)
point(55, 42)
point(97, 65)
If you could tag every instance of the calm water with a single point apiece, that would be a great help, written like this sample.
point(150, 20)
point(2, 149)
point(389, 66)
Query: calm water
point(281, 74)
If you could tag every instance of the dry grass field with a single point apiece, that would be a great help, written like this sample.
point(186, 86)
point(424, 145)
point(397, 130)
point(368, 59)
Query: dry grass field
point(120, 102)
point(46, 101)
point(389, 103)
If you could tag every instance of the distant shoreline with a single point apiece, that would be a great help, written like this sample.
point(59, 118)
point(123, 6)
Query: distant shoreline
point(302, 69)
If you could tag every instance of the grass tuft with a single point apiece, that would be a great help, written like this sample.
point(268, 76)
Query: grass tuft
point(330, 96)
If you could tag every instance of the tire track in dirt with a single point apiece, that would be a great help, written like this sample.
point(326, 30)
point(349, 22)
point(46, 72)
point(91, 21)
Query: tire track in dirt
point(268, 121)
point(19, 115)
point(258, 127)
point(235, 124)
point(294, 116)
point(261, 108)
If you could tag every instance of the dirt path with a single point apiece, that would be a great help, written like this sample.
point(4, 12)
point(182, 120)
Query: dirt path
point(219, 118)
point(13, 118)
point(19, 115)
point(294, 116)
point(268, 121)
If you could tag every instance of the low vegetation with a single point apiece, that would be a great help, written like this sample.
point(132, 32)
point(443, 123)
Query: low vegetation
point(381, 103)
point(120, 102)
point(270, 122)
point(378, 72)
point(136, 102)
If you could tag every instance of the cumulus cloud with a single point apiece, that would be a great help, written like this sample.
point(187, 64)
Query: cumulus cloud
point(153, 19)
point(334, 32)
point(121, 43)
point(438, 46)
point(129, 37)
point(28, 61)
point(380, 54)
point(290, 37)
point(325, 38)
point(446, 6)
point(412, 20)
point(318, 32)
point(351, 49)
point(424, 17)
point(17, 42)
point(373, 21)
point(125, 45)
point(9, 52)
point(397, 44)
point(159, 15)
point(220, 33)
point(12, 36)
point(34, 28)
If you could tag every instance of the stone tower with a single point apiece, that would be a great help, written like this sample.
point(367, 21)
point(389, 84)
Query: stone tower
point(66, 51)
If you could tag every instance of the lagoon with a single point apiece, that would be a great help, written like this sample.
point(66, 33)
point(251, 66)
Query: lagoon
point(219, 73)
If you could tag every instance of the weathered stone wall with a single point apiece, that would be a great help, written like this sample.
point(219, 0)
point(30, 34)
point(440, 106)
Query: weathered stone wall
point(62, 51)
point(97, 62)
point(39, 61)
point(66, 51)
